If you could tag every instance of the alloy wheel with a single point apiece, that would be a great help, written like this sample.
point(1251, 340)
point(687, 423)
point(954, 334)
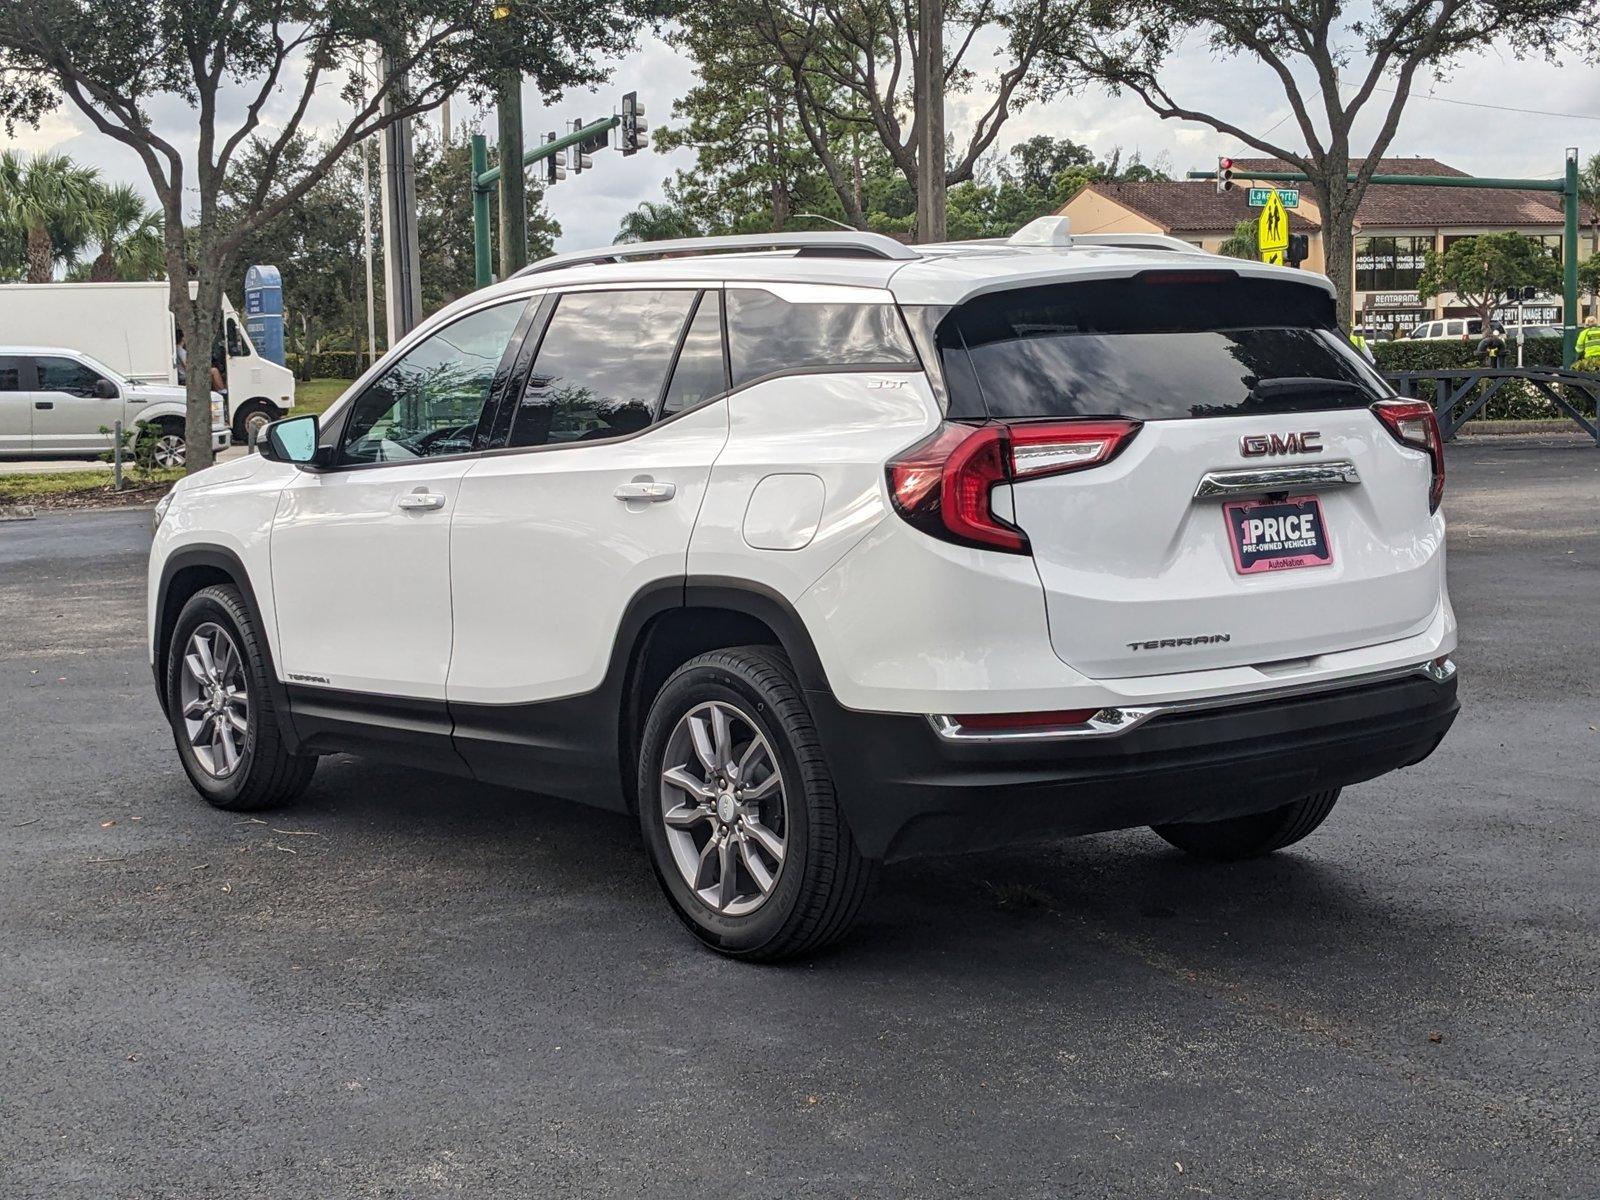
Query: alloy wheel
point(724, 808)
point(169, 451)
point(214, 700)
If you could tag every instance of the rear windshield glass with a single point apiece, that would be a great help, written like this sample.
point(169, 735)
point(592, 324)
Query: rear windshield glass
point(1154, 347)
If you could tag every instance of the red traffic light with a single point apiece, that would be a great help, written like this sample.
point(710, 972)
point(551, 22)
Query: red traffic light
point(1225, 163)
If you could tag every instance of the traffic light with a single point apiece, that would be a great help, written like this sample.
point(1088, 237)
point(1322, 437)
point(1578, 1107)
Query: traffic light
point(1299, 249)
point(1224, 175)
point(578, 159)
point(554, 169)
point(634, 134)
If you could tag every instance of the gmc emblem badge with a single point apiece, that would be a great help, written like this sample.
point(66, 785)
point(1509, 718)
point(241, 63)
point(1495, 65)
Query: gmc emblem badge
point(1258, 445)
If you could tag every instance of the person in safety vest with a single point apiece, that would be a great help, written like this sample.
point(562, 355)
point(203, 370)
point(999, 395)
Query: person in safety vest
point(1359, 341)
point(1589, 340)
point(1493, 345)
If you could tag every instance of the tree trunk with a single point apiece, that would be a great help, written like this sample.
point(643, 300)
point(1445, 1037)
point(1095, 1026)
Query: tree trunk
point(41, 255)
point(929, 86)
point(105, 268)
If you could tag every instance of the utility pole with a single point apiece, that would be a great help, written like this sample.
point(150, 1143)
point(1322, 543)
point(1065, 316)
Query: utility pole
point(402, 287)
point(366, 251)
point(513, 185)
point(929, 93)
point(444, 125)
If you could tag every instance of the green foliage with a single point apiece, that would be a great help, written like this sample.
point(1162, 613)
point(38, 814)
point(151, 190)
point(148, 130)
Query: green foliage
point(654, 221)
point(1244, 242)
point(328, 364)
point(316, 242)
point(1480, 269)
point(138, 450)
point(797, 99)
point(46, 212)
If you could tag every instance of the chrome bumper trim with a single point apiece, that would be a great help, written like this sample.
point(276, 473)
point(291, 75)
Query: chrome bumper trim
point(1255, 481)
point(1113, 722)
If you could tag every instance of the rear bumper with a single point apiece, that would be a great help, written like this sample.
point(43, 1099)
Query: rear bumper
point(906, 791)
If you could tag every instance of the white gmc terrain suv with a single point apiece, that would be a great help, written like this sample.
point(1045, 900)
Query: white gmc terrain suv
point(817, 551)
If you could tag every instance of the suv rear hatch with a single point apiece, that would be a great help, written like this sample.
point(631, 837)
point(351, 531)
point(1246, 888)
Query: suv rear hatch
point(1155, 552)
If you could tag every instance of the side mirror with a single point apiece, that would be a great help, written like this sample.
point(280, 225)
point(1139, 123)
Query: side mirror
point(291, 440)
point(104, 389)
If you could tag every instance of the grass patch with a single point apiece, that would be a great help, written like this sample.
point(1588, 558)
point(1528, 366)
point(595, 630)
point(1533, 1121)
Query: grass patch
point(22, 489)
point(314, 395)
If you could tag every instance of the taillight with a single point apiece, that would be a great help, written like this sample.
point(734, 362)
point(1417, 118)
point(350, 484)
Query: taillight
point(1412, 423)
point(943, 484)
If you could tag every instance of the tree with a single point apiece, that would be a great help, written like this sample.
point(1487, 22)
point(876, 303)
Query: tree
point(846, 68)
point(1332, 60)
point(46, 199)
point(128, 234)
point(444, 196)
point(1243, 242)
point(1479, 270)
point(114, 60)
point(655, 222)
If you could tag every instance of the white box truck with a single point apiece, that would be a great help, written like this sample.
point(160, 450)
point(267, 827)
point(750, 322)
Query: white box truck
point(129, 327)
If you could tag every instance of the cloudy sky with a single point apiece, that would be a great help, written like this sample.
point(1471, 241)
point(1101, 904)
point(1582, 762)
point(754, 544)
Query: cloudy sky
point(1482, 140)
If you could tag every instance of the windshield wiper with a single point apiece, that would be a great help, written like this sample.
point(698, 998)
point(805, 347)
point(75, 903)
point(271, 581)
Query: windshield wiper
point(1302, 385)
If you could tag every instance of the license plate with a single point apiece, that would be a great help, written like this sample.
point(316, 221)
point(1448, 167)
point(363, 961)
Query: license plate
point(1277, 535)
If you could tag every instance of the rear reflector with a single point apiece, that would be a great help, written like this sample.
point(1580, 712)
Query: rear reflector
point(1412, 423)
point(1002, 722)
point(943, 484)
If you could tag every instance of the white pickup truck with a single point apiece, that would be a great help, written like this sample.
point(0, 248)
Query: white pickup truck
point(56, 402)
point(128, 328)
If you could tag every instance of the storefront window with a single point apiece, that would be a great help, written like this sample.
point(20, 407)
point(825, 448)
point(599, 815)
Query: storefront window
point(1390, 263)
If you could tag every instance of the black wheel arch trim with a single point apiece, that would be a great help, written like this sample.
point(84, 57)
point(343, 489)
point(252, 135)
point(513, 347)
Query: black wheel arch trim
point(222, 559)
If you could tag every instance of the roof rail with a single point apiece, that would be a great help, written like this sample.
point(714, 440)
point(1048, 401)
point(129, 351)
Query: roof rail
point(1137, 241)
point(841, 244)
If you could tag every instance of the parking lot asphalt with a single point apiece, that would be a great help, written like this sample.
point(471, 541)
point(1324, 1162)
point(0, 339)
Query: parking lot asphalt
point(412, 986)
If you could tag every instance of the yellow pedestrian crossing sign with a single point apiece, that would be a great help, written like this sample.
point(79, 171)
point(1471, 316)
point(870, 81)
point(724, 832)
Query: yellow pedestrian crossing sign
point(1272, 230)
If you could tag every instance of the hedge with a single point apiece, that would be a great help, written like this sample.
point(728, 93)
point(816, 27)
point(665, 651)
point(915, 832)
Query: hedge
point(1515, 401)
point(330, 364)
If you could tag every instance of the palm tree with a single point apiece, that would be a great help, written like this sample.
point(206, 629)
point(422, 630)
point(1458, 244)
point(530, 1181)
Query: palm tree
point(655, 222)
point(48, 199)
point(129, 235)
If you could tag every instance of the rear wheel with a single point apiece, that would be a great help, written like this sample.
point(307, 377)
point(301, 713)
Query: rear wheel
point(738, 810)
point(221, 710)
point(1254, 835)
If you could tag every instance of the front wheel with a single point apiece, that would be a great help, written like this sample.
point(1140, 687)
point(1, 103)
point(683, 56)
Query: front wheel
point(1253, 835)
point(252, 417)
point(221, 710)
point(738, 810)
point(169, 450)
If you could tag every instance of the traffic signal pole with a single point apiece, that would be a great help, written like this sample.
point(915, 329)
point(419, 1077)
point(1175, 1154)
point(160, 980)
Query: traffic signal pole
point(485, 178)
point(1567, 187)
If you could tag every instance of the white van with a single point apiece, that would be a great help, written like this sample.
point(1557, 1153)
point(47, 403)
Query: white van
point(129, 328)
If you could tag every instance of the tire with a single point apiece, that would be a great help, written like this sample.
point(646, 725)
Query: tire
point(815, 890)
point(252, 415)
point(241, 770)
point(1254, 835)
point(170, 451)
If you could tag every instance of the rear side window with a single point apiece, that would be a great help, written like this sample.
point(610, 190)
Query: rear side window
point(1155, 347)
point(10, 374)
point(601, 366)
point(768, 335)
point(701, 370)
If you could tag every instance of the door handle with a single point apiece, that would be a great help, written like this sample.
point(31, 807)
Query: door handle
point(43, 405)
point(422, 501)
point(644, 489)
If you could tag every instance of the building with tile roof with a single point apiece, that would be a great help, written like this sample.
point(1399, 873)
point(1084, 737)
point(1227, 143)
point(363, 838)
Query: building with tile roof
point(1396, 226)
